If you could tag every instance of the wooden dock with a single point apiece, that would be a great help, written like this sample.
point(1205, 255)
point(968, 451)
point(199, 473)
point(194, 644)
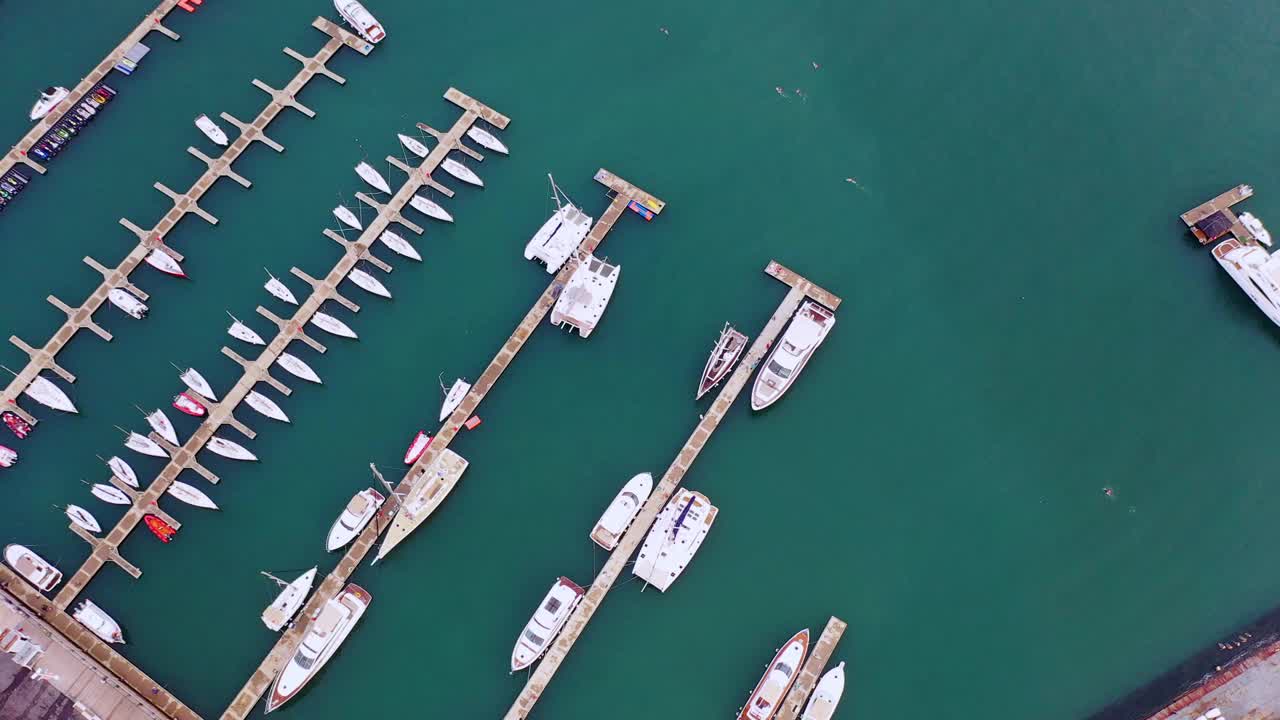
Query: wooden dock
point(812, 670)
point(616, 565)
point(1214, 219)
point(81, 317)
point(262, 677)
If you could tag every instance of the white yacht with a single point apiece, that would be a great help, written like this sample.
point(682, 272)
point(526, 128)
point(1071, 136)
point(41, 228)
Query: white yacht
point(347, 217)
point(462, 172)
point(1255, 271)
point(453, 397)
point(265, 405)
point(624, 508)
point(425, 494)
point(97, 620)
point(332, 325)
point(358, 512)
point(486, 139)
point(806, 332)
point(211, 130)
point(160, 423)
point(430, 208)
point(279, 289)
point(123, 299)
point(778, 677)
point(144, 445)
point(1256, 228)
point(297, 368)
point(560, 235)
point(191, 495)
point(586, 295)
point(228, 449)
point(110, 494)
point(546, 623)
point(826, 696)
point(399, 245)
point(368, 283)
point(329, 627)
point(373, 177)
point(413, 145)
point(194, 380)
point(50, 97)
point(35, 569)
point(361, 20)
point(165, 263)
point(43, 391)
point(121, 469)
point(289, 601)
point(676, 535)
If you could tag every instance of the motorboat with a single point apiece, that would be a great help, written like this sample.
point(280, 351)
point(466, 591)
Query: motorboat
point(196, 381)
point(806, 332)
point(280, 290)
point(399, 245)
point(724, 356)
point(16, 424)
point(373, 177)
point(625, 506)
point(298, 368)
point(332, 325)
point(826, 696)
point(43, 391)
point(97, 620)
point(586, 295)
point(368, 282)
point(676, 535)
point(83, 518)
point(546, 623)
point(327, 630)
point(347, 217)
point(486, 140)
point(228, 449)
point(425, 494)
point(49, 97)
point(163, 531)
point(123, 299)
point(144, 445)
point(8, 456)
point(453, 397)
point(462, 172)
point(430, 208)
point(110, 494)
point(289, 601)
point(191, 495)
point(778, 677)
point(165, 263)
point(160, 423)
point(560, 235)
point(240, 331)
point(358, 512)
point(416, 447)
point(211, 130)
point(1255, 271)
point(35, 569)
point(361, 20)
point(1255, 228)
point(189, 405)
point(265, 406)
point(413, 145)
point(122, 471)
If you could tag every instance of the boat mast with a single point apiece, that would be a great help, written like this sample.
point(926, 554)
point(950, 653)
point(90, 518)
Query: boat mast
point(273, 577)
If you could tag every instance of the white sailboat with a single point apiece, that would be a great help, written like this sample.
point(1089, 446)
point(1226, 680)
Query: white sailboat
point(347, 217)
point(43, 391)
point(110, 494)
point(676, 535)
point(191, 495)
point(561, 234)
point(486, 139)
point(279, 289)
point(430, 208)
point(399, 245)
point(165, 263)
point(583, 301)
point(373, 177)
point(196, 381)
point(298, 368)
point(354, 517)
point(265, 406)
point(826, 696)
point(462, 172)
point(144, 445)
point(160, 423)
point(83, 518)
point(413, 145)
point(132, 306)
point(122, 471)
point(240, 331)
point(329, 627)
point(809, 327)
point(332, 325)
point(368, 282)
point(97, 620)
point(453, 397)
point(228, 449)
point(35, 569)
point(426, 493)
point(289, 601)
point(211, 130)
point(625, 506)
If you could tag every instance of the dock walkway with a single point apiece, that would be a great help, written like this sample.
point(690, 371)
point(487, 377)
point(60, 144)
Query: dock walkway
point(634, 536)
point(81, 317)
point(1206, 227)
point(812, 670)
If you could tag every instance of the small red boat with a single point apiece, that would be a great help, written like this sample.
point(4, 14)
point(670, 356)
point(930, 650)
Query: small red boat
point(20, 427)
point(417, 447)
point(160, 528)
point(189, 405)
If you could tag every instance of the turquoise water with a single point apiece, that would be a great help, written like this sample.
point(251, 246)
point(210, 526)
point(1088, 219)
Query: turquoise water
point(1025, 323)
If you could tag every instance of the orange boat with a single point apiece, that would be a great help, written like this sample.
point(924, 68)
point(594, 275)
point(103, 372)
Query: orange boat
point(160, 528)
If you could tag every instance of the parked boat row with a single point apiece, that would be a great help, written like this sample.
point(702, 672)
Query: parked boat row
point(72, 121)
point(44, 576)
point(12, 184)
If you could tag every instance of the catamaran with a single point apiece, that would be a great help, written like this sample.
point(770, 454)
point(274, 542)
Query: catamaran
point(560, 235)
point(365, 25)
point(240, 331)
point(358, 512)
point(413, 145)
point(298, 368)
point(289, 601)
point(453, 397)
point(191, 495)
point(211, 130)
point(373, 177)
point(1255, 271)
point(586, 295)
point(83, 518)
point(417, 446)
point(160, 423)
point(347, 217)
point(122, 471)
point(196, 381)
point(826, 696)
point(132, 306)
point(399, 245)
point(546, 623)
point(279, 289)
point(50, 97)
point(228, 449)
point(625, 506)
point(110, 494)
point(189, 405)
point(486, 139)
point(332, 325)
point(43, 391)
point(778, 677)
point(35, 569)
point(806, 332)
point(430, 208)
point(97, 620)
point(462, 172)
point(368, 282)
point(165, 263)
point(144, 445)
point(425, 494)
point(676, 535)
point(328, 629)
point(723, 357)
point(265, 406)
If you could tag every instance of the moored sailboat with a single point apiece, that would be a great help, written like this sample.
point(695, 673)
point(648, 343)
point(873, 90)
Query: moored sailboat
point(399, 245)
point(462, 172)
point(347, 217)
point(121, 470)
point(373, 177)
point(298, 368)
point(368, 282)
point(325, 634)
point(486, 139)
point(196, 381)
point(144, 445)
point(240, 331)
point(97, 620)
point(228, 449)
point(430, 208)
point(165, 263)
point(191, 495)
point(160, 423)
point(616, 518)
point(110, 494)
point(265, 405)
point(546, 623)
point(332, 325)
point(43, 391)
point(413, 145)
point(723, 357)
point(289, 601)
point(123, 299)
point(83, 518)
point(279, 289)
point(778, 677)
point(453, 397)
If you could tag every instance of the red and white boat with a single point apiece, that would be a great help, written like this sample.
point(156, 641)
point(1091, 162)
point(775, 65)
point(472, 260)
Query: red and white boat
point(777, 680)
point(15, 423)
point(723, 357)
point(161, 529)
point(189, 405)
point(165, 263)
point(417, 447)
point(8, 456)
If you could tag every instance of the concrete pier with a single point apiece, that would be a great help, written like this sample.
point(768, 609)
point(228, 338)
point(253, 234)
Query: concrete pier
point(81, 317)
point(819, 656)
point(1214, 219)
point(616, 565)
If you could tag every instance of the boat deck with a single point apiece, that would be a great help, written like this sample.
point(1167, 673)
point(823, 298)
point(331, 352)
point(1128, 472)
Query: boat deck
point(819, 656)
point(1220, 204)
point(81, 317)
point(616, 565)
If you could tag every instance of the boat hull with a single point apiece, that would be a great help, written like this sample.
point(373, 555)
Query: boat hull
point(33, 568)
point(766, 698)
point(770, 385)
point(616, 518)
point(290, 681)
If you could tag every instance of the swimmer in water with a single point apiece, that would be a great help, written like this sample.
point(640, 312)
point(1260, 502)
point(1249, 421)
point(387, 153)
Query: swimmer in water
point(816, 66)
point(778, 89)
point(1108, 492)
point(664, 31)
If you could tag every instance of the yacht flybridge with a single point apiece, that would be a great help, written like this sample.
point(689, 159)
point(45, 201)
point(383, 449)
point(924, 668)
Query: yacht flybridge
point(806, 332)
point(1255, 271)
point(560, 235)
point(586, 295)
point(328, 629)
